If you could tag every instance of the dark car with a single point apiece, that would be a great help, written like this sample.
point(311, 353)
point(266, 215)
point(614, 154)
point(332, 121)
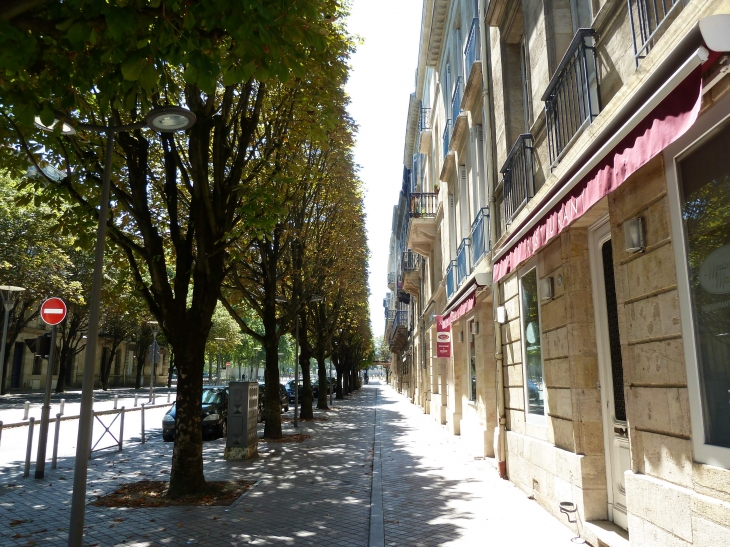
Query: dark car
point(283, 400)
point(290, 389)
point(214, 415)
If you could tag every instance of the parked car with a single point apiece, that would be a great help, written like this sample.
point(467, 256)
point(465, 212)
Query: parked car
point(290, 389)
point(283, 400)
point(214, 415)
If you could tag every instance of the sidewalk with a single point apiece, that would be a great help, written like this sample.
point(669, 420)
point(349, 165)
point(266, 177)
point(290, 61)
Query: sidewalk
point(314, 493)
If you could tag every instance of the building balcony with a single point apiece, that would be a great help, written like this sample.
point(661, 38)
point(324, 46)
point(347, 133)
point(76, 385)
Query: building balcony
point(480, 242)
point(518, 184)
point(463, 261)
point(422, 223)
point(398, 331)
point(451, 284)
point(448, 165)
point(572, 96)
point(424, 131)
point(411, 272)
point(649, 19)
point(472, 66)
point(459, 123)
point(391, 281)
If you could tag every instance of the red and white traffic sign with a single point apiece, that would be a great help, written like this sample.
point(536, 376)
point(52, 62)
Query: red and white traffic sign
point(53, 311)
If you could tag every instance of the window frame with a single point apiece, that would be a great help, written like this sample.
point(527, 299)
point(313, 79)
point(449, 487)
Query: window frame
point(714, 119)
point(470, 337)
point(531, 418)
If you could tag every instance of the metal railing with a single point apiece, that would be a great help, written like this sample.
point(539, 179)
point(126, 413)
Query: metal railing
point(423, 204)
point(480, 242)
point(400, 320)
point(648, 18)
point(463, 261)
point(411, 261)
point(389, 315)
point(451, 284)
point(572, 96)
point(447, 135)
point(456, 100)
point(518, 184)
point(472, 51)
point(391, 278)
point(424, 122)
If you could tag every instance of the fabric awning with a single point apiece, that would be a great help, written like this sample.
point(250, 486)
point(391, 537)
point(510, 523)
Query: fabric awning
point(668, 121)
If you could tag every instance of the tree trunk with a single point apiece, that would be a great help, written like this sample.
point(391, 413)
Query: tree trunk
point(140, 368)
point(323, 385)
point(272, 427)
point(306, 412)
point(186, 474)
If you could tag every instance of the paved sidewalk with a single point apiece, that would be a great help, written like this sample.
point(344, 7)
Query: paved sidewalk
point(315, 493)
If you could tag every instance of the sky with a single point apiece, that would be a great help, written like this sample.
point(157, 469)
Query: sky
point(381, 81)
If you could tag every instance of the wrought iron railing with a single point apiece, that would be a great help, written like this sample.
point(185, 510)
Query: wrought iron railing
point(480, 242)
point(423, 204)
point(572, 96)
point(411, 261)
point(451, 284)
point(400, 320)
point(518, 184)
point(456, 100)
point(648, 18)
point(424, 122)
point(389, 315)
point(391, 278)
point(472, 51)
point(463, 261)
point(447, 135)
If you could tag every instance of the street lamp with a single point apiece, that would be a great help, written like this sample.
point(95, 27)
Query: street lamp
point(9, 294)
point(155, 327)
point(218, 364)
point(282, 300)
point(164, 120)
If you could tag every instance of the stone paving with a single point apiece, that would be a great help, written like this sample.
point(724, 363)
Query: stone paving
point(314, 493)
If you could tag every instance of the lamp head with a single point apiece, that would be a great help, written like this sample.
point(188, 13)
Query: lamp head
point(66, 128)
point(169, 119)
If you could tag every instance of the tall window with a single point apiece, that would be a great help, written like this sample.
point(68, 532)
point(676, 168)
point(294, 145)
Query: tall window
point(532, 346)
point(705, 207)
point(472, 364)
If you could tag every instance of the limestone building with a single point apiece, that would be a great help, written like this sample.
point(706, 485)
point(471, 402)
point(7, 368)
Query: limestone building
point(564, 219)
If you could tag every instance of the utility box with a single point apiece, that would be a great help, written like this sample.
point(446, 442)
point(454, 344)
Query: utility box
point(243, 418)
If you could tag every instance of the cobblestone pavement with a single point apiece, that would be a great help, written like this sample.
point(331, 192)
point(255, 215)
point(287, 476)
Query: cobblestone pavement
point(314, 493)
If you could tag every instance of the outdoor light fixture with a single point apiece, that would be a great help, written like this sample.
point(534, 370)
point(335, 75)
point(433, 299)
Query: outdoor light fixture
point(461, 336)
point(169, 119)
point(501, 315)
point(66, 129)
point(634, 235)
point(546, 288)
point(474, 327)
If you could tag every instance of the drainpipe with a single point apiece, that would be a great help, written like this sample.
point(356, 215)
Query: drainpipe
point(499, 451)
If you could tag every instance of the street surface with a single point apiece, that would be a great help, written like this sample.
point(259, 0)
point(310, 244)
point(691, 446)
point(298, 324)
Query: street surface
point(428, 491)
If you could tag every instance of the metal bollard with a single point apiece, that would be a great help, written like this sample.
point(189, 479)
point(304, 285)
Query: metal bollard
point(121, 429)
point(26, 410)
point(1, 430)
point(136, 397)
point(63, 406)
point(116, 399)
point(142, 423)
point(29, 449)
point(168, 395)
point(55, 441)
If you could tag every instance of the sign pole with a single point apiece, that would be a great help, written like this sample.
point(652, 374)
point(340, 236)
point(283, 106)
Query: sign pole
point(40, 463)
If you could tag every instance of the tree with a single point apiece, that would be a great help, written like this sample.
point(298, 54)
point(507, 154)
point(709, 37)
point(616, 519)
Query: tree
point(179, 202)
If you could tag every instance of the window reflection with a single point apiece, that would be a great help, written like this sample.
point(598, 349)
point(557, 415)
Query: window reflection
point(533, 351)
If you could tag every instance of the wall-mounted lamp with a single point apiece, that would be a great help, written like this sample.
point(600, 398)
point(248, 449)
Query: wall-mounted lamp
point(474, 327)
point(634, 235)
point(461, 336)
point(501, 315)
point(546, 288)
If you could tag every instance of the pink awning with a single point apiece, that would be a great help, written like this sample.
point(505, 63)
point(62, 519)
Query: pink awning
point(665, 124)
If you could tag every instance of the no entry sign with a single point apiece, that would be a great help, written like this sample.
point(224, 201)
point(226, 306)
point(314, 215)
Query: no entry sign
point(53, 311)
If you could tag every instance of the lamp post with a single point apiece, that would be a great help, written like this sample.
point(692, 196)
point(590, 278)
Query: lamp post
point(218, 363)
point(165, 120)
point(9, 295)
point(155, 353)
point(283, 300)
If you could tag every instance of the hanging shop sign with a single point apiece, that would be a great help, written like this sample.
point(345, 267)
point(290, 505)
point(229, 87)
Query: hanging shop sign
point(443, 337)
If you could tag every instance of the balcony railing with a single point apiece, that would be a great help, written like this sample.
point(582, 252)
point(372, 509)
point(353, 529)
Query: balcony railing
point(472, 51)
point(389, 315)
point(463, 261)
point(518, 184)
point(572, 96)
point(648, 18)
point(447, 135)
point(411, 261)
point(391, 278)
point(480, 242)
point(423, 205)
point(424, 122)
point(451, 284)
point(400, 320)
point(456, 100)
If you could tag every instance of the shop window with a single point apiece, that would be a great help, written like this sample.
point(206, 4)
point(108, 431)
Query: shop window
point(472, 364)
point(532, 346)
point(704, 188)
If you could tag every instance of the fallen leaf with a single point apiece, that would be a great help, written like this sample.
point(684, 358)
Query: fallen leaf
point(16, 522)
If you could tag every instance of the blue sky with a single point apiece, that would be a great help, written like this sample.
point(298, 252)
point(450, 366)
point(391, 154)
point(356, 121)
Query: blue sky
point(382, 78)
